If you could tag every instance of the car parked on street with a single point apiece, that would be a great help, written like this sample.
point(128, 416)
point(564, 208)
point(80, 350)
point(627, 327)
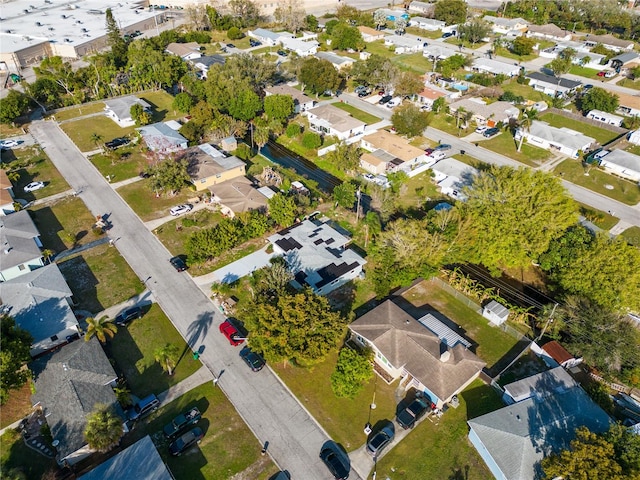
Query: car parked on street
point(182, 421)
point(128, 315)
point(230, 45)
point(442, 147)
point(491, 132)
point(180, 209)
point(33, 186)
point(448, 34)
point(336, 460)
point(282, 53)
point(381, 439)
point(143, 408)
point(186, 441)
point(231, 333)
point(178, 263)
point(408, 417)
point(252, 359)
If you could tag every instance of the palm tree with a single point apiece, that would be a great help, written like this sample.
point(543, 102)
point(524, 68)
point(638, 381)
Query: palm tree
point(525, 124)
point(104, 429)
point(96, 138)
point(102, 329)
point(47, 254)
point(167, 357)
point(261, 135)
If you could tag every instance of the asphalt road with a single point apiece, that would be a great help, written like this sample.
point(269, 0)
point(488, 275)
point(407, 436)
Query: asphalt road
point(266, 405)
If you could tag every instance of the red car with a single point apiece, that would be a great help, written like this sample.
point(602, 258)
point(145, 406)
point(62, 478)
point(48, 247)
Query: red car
point(601, 74)
point(231, 332)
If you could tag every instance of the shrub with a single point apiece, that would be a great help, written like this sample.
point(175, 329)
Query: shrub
point(293, 130)
point(311, 140)
point(234, 33)
point(189, 222)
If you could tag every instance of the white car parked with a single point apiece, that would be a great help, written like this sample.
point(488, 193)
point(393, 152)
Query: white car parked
point(481, 129)
point(8, 144)
point(33, 186)
point(394, 102)
point(180, 209)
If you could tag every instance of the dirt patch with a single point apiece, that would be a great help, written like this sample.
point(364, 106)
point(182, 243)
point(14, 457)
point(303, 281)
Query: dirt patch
point(256, 469)
point(17, 407)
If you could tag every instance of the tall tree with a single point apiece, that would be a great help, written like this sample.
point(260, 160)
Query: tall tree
point(474, 31)
point(14, 105)
point(345, 194)
point(345, 37)
point(408, 83)
point(453, 12)
point(100, 328)
point(260, 133)
point(169, 176)
point(247, 11)
point(282, 209)
point(167, 356)
point(345, 156)
point(290, 15)
point(104, 428)
point(15, 345)
point(410, 120)
point(516, 213)
point(245, 105)
point(115, 39)
point(319, 75)
point(279, 107)
point(352, 370)
point(380, 19)
point(528, 116)
point(599, 99)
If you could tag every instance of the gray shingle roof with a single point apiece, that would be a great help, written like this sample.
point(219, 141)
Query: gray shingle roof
point(519, 436)
point(158, 134)
point(121, 107)
point(623, 159)
point(69, 383)
point(554, 81)
point(17, 239)
point(541, 385)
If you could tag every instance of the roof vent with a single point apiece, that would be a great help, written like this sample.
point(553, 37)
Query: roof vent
point(445, 356)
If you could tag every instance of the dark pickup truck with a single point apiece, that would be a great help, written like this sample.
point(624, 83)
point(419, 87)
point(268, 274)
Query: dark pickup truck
point(190, 417)
point(408, 417)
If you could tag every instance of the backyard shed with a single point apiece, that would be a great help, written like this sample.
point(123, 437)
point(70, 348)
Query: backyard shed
point(495, 312)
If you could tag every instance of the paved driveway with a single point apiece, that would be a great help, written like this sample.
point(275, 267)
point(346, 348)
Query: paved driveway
point(266, 405)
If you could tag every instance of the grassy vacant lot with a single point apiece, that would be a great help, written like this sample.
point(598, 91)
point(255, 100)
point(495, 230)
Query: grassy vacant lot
point(417, 190)
point(343, 418)
point(601, 135)
point(357, 113)
point(80, 111)
point(133, 347)
point(632, 235)
point(17, 406)
point(64, 224)
point(130, 163)
point(99, 278)
point(145, 203)
point(584, 72)
point(627, 82)
point(228, 449)
point(623, 190)
point(16, 455)
point(413, 61)
point(444, 122)
point(174, 234)
point(493, 343)
point(39, 168)
point(524, 91)
point(506, 145)
point(506, 53)
point(441, 447)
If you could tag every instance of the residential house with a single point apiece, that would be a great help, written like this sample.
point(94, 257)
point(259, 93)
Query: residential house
point(40, 302)
point(238, 195)
point(371, 34)
point(205, 62)
point(608, 41)
point(119, 109)
point(628, 105)
point(21, 246)
point(301, 102)
point(588, 60)
point(186, 51)
point(549, 31)
point(267, 37)
point(162, 138)
point(504, 25)
point(604, 117)
point(208, 166)
point(303, 48)
point(394, 14)
point(340, 62)
point(424, 353)
point(393, 151)
point(317, 255)
point(495, 312)
point(430, 93)
point(436, 52)
point(539, 386)
point(128, 464)
point(6, 195)
point(563, 140)
point(69, 383)
point(421, 7)
point(550, 85)
point(579, 48)
point(486, 114)
point(623, 164)
point(624, 61)
point(429, 24)
point(560, 354)
point(405, 43)
point(495, 67)
point(513, 440)
point(452, 176)
point(330, 120)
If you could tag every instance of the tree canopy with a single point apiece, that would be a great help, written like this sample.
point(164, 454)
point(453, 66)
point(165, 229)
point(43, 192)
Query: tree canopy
point(169, 176)
point(100, 328)
point(282, 209)
point(599, 99)
point(15, 345)
point(352, 370)
point(319, 75)
point(345, 194)
point(474, 30)
point(453, 12)
point(104, 428)
point(410, 120)
point(345, 36)
point(279, 107)
point(14, 105)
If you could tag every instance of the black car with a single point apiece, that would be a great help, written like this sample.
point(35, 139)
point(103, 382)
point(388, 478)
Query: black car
point(128, 315)
point(178, 264)
point(408, 417)
point(252, 359)
point(230, 45)
point(254, 43)
point(381, 439)
point(336, 460)
point(117, 142)
point(182, 421)
point(185, 441)
point(442, 147)
point(490, 132)
point(282, 53)
point(385, 99)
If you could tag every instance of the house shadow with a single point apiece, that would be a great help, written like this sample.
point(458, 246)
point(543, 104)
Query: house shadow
point(480, 400)
point(508, 357)
point(123, 354)
point(83, 284)
point(49, 228)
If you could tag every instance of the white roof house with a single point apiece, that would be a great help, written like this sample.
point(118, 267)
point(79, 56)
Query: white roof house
point(566, 141)
point(186, 51)
point(119, 109)
point(269, 37)
point(505, 25)
point(429, 24)
point(539, 386)
point(549, 31)
point(161, 138)
point(317, 255)
point(604, 117)
point(452, 176)
point(303, 48)
point(21, 245)
point(486, 114)
point(495, 67)
point(404, 43)
point(550, 85)
point(621, 163)
point(438, 52)
point(338, 61)
point(330, 120)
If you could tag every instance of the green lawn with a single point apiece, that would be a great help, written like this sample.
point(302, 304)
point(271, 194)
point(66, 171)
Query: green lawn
point(444, 122)
point(525, 91)
point(627, 82)
point(417, 191)
point(75, 112)
point(228, 450)
point(100, 278)
point(357, 113)
point(145, 203)
point(342, 418)
point(128, 165)
point(632, 235)
point(599, 218)
point(65, 224)
point(17, 457)
point(601, 135)
point(441, 447)
point(379, 48)
point(81, 131)
point(506, 145)
point(623, 190)
point(413, 61)
point(133, 347)
point(162, 104)
point(503, 52)
point(38, 167)
point(432, 34)
point(584, 72)
point(174, 234)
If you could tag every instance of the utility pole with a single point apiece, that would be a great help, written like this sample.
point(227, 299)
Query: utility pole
point(358, 194)
point(549, 320)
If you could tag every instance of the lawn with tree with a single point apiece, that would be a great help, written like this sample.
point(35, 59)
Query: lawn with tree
point(353, 370)
point(15, 347)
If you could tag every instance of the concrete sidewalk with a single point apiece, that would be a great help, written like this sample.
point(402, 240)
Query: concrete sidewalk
point(201, 376)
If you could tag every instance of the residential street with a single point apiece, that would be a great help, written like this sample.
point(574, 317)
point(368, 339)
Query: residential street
point(266, 405)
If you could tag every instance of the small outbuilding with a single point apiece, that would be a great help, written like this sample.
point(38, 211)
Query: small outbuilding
point(495, 312)
point(604, 117)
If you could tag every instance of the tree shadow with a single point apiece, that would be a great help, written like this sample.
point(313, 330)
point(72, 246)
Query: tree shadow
point(49, 228)
point(460, 473)
point(196, 332)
